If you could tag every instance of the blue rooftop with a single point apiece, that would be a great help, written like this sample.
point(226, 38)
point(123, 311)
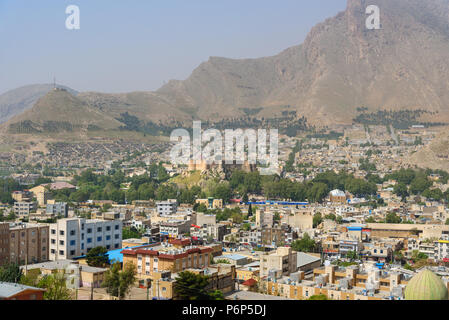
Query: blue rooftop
point(114, 255)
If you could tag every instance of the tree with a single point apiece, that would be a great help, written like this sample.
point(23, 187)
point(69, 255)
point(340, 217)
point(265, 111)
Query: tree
point(191, 286)
point(392, 218)
point(352, 255)
point(419, 185)
point(401, 190)
point(56, 287)
point(10, 273)
point(97, 257)
point(131, 233)
point(250, 210)
point(317, 219)
point(118, 283)
point(319, 297)
point(306, 244)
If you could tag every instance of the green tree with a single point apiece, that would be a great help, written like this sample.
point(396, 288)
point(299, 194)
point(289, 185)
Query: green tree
point(306, 244)
point(117, 282)
point(352, 255)
point(392, 218)
point(97, 257)
point(401, 190)
point(191, 286)
point(10, 272)
point(130, 233)
point(55, 286)
point(319, 297)
point(317, 219)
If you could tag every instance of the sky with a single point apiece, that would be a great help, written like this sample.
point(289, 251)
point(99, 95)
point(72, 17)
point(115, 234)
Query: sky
point(138, 45)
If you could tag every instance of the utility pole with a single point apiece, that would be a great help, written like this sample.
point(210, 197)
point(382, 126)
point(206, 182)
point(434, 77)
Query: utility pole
point(92, 292)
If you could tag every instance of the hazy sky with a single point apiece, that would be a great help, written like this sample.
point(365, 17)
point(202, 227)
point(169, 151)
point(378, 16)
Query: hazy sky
point(138, 44)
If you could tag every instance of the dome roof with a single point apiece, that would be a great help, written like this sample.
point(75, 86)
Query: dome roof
point(426, 286)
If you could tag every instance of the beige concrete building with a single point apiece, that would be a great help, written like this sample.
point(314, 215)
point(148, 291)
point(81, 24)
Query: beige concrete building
point(264, 218)
point(283, 260)
point(302, 219)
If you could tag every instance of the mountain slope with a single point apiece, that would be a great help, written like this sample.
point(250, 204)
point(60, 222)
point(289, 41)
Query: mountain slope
point(16, 101)
point(57, 111)
point(340, 66)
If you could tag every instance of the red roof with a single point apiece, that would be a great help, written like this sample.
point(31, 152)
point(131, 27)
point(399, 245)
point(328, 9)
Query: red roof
point(249, 283)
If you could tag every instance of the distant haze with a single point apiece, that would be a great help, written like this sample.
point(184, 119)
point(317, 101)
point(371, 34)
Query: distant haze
point(128, 46)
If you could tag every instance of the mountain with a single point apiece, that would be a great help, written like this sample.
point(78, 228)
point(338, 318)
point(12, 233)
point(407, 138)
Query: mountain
point(340, 67)
point(58, 111)
point(16, 101)
point(433, 156)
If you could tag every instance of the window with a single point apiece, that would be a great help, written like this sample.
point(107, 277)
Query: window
point(61, 242)
point(116, 246)
point(117, 236)
point(108, 247)
point(108, 228)
point(53, 251)
point(89, 240)
point(61, 252)
point(53, 241)
point(53, 231)
point(99, 229)
point(72, 253)
point(99, 239)
point(116, 227)
point(72, 242)
point(89, 230)
point(108, 237)
point(72, 232)
point(61, 232)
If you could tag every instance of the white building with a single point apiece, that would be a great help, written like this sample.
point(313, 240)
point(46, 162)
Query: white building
point(167, 207)
point(74, 237)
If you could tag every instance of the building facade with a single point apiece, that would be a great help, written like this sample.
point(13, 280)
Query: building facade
point(29, 243)
point(71, 238)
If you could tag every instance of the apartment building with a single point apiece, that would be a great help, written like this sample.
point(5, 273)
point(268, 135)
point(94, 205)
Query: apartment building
point(167, 207)
point(57, 208)
point(174, 228)
point(74, 237)
point(21, 196)
point(4, 243)
point(23, 208)
point(29, 243)
point(211, 203)
point(284, 261)
point(163, 257)
point(264, 219)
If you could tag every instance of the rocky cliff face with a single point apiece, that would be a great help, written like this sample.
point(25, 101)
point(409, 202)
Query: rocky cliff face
point(340, 66)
